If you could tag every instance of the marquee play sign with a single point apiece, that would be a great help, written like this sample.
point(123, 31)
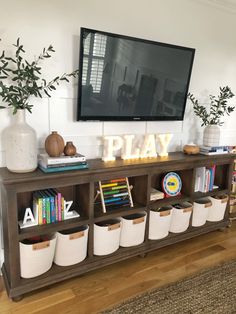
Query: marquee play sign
point(125, 143)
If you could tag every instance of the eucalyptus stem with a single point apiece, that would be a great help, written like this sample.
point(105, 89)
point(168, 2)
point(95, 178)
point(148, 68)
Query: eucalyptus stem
point(218, 107)
point(21, 79)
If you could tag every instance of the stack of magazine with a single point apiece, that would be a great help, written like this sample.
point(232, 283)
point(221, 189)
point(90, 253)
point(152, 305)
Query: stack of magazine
point(156, 195)
point(214, 150)
point(56, 164)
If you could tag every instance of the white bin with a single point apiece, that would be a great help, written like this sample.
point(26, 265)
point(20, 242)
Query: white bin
point(180, 219)
point(71, 246)
point(132, 229)
point(200, 211)
point(36, 258)
point(217, 210)
point(159, 223)
point(106, 237)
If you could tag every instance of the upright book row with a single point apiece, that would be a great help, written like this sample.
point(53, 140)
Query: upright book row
point(49, 206)
point(204, 180)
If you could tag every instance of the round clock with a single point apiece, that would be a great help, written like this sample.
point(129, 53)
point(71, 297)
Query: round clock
point(171, 184)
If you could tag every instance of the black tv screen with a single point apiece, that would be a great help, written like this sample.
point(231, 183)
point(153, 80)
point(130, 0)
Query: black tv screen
point(123, 78)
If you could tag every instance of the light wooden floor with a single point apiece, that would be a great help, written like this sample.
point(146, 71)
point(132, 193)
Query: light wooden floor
point(99, 289)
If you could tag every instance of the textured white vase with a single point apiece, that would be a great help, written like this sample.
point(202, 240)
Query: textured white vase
point(211, 135)
point(20, 145)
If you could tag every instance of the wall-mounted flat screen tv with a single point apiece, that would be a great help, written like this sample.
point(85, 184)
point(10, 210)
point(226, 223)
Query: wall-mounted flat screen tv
point(123, 78)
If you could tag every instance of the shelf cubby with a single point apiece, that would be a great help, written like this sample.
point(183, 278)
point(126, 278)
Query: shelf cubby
point(119, 212)
point(221, 177)
point(30, 232)
point(214, 192)
point(169, 201)
point(186, 177)
point(138, 187)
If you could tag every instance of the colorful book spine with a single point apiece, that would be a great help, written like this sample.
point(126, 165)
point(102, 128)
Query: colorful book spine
point(213, 174)
point(44, 215)
point(207, 180)
point(56, 205)
point(62, 208)
point(53, 193)
point(211, 178)
point(52, 207)
point(35, 209)
point(59, 206)
point(38, 199)
point(47, 205)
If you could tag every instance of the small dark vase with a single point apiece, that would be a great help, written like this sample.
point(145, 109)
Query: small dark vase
point(70, 149)
point(54, 144)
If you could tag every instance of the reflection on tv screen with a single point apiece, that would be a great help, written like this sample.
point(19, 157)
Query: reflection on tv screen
point(124, 78)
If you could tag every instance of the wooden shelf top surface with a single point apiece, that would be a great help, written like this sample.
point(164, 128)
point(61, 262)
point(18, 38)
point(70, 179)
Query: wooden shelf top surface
point(98, 166)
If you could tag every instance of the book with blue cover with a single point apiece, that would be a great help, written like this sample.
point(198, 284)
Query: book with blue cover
point(52, 205)
point(64, 168)
point(46, 199)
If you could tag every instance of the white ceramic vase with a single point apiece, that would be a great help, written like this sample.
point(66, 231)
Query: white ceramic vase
point(211, 135)
point(20, 145)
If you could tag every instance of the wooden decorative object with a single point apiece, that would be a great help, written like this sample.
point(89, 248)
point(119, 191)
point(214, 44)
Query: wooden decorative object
point(191, 149)
point(54, 144)
point(70, 149)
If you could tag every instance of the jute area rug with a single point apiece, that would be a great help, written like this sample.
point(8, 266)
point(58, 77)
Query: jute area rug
point(210, 292)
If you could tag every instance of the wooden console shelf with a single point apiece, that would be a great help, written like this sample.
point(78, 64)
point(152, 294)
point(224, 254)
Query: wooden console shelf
point(17, 190)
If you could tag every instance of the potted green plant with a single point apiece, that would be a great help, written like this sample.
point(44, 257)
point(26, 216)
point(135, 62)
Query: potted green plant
point(20, 80)
point(212, 117)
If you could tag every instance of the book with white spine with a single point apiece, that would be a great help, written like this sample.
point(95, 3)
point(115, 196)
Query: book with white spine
point(47, 160)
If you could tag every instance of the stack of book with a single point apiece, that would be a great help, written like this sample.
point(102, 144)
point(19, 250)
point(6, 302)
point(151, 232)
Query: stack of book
point(55, 164)
point(156, 195)
point(214, 150)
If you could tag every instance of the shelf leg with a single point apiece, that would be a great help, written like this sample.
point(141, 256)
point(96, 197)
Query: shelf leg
point(223, 229)
point(18, 298)
point(143, 255)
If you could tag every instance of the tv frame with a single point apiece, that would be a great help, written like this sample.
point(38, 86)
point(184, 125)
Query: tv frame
point(128, 118)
